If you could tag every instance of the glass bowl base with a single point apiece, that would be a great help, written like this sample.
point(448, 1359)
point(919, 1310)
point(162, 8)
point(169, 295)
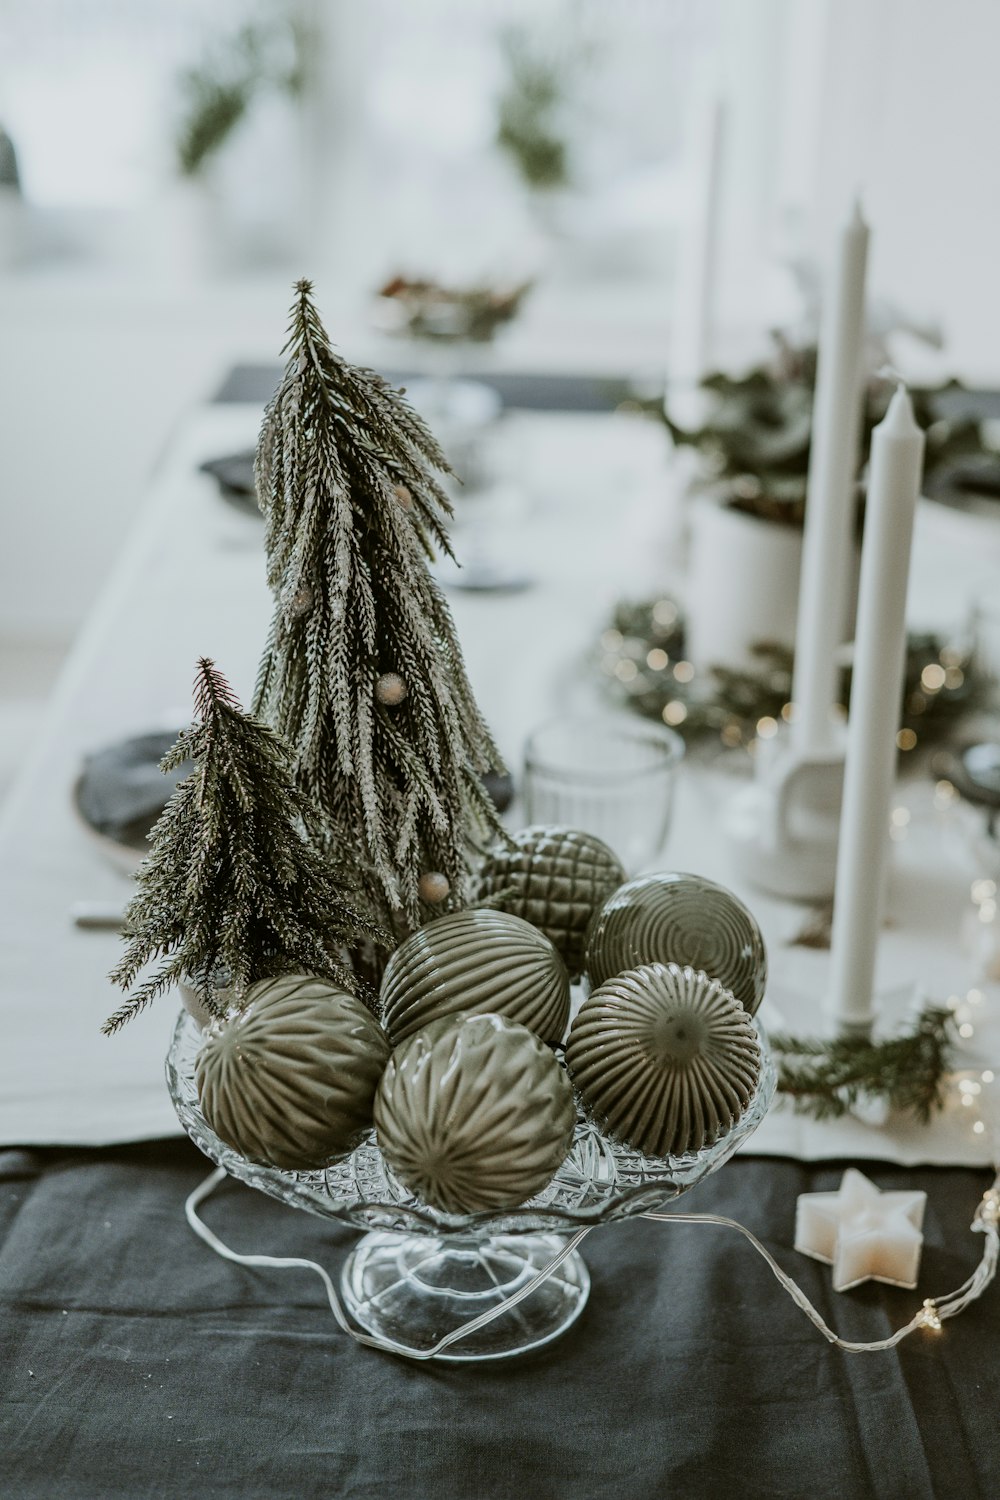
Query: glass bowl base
point(413, 1290)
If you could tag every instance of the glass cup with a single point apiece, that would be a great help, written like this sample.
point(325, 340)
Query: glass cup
point(610, 777)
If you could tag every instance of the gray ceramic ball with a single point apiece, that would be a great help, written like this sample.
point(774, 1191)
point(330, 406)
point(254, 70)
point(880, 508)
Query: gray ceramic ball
point(290, 1079)
point(474, 1114)
point(665, 1058)
point(555, 878)
point(475, 963)
point(675, 918)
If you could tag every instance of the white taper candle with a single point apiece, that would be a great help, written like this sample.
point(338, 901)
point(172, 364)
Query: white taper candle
point(692, 325)
point(897, 454)
point(830, 508)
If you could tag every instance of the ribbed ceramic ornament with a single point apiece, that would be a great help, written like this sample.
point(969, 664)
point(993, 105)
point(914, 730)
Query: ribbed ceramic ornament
point(665, 1059)
point(474, 1113)
point(555, 878)
point(673, 918)
point(290, 1079)
point(473, 963)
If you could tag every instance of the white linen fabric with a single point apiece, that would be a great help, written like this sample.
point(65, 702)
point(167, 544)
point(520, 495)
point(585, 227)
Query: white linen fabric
point(591, 519)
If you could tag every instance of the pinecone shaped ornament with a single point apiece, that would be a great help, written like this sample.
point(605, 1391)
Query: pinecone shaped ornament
point(556, 879)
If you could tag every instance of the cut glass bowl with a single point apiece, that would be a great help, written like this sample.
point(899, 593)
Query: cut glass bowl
point(418, 1274)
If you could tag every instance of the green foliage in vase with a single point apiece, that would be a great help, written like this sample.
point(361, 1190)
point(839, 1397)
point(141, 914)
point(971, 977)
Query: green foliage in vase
point(528, 113)
point(362, 673)
point(756, 440)
point(826, 1079)
point(218, 92)
point(10, 176)
point(235, 888)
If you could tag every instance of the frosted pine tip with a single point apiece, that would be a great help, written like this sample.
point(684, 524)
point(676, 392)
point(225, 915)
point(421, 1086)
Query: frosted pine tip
point(303, 286)
point(211, 690)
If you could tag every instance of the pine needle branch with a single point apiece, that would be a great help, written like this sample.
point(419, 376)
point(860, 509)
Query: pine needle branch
point(239, 884)
point(348, 481)
point(826, 1079)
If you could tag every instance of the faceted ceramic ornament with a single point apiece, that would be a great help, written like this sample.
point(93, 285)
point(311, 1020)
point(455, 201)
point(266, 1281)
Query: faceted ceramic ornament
point(473, 962)
point(474, 1114)
point(665, 1059)
point(555, 878)
point(681, 919)
point(290, 1079)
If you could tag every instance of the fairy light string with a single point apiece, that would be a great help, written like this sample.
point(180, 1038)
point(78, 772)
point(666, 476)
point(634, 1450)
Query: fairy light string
point(930, 1317)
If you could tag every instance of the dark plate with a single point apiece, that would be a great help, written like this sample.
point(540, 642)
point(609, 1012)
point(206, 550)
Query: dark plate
point(121, 791)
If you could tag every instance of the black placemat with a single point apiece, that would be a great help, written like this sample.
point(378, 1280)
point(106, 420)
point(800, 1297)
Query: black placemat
point(137, 1363)
point(525, 391)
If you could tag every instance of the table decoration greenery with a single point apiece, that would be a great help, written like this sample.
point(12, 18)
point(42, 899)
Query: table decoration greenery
point(353, 509)
point(236, 887)
point(641, 663)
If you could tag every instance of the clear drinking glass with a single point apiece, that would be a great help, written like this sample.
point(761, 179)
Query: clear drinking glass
point(611, 777)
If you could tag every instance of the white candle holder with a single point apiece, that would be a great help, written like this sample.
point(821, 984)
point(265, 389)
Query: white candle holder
point(783, 830)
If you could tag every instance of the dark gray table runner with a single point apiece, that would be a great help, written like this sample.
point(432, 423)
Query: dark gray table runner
point(136, 1363)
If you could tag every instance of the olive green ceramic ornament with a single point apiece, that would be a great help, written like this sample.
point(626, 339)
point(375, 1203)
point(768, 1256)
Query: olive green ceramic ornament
point(473, 962)
point(474, 1114)
point(555, 878)
point(290, 1079)
point(673, 918)
point(665, 1059)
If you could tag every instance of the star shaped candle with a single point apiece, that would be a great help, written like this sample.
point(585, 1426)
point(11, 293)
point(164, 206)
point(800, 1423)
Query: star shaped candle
point(863, 1233)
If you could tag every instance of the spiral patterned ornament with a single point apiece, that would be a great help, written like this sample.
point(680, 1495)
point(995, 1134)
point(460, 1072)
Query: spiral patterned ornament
point(673, 918)
point(555, 878)
point(474, 1114)
point(665, 1059)
point(473, 963)
point(290, 1079)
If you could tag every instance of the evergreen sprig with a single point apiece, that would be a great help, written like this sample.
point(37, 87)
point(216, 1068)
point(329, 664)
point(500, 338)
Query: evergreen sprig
point(826, 1078)
point(528, 113)
point(756, 438)
point(353, 510)
point(235, 888)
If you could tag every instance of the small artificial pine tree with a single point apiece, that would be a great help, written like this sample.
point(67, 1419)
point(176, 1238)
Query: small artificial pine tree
point(362, 673)
point(235, 888)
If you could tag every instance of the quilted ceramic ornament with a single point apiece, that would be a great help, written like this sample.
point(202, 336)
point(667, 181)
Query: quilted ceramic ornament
point(664, 1058)
point(290, 1079)
point(555, 878)
point(673, 918)
point(474, 1114)
point(472, 963)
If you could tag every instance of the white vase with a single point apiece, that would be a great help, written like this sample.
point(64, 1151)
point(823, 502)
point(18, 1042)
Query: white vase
point(742, 587)
point(186, 230)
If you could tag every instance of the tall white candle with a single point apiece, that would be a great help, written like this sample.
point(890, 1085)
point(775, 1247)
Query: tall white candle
point(879, 657)
point(691, 334)
point(833, 465)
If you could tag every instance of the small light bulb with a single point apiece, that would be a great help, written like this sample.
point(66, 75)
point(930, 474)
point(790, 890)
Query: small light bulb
point(929, 1315)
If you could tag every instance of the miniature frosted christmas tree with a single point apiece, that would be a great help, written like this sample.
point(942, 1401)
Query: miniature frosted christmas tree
point(236, 888)
point(362, 674)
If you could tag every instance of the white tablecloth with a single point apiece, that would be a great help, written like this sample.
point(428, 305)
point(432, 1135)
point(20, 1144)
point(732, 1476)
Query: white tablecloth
point(589, 511)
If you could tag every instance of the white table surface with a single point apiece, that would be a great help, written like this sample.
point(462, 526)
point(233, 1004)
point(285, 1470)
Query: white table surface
point(590, 510)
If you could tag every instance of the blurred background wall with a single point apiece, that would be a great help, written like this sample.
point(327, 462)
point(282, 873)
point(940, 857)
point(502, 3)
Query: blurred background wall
point(360, 140)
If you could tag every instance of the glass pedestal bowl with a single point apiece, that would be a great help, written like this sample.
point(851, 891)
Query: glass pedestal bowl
point(417, 1274)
